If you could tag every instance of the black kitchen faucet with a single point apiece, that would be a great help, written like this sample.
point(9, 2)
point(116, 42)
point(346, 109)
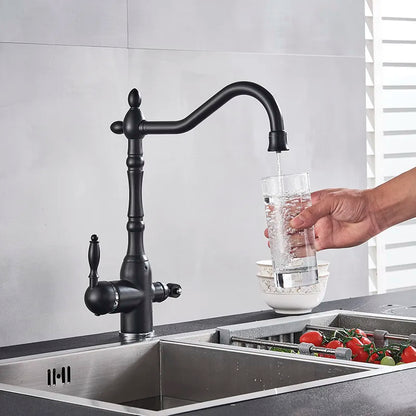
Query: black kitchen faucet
point(134, 293)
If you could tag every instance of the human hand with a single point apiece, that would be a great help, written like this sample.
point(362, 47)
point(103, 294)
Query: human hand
point(342, 218)
point(347, 217)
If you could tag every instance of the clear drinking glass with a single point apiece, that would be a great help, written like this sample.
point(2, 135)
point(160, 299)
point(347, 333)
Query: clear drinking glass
point(293, 251)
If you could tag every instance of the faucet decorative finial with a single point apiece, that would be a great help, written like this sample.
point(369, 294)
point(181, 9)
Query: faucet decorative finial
point(134, 98)
point(134, 293)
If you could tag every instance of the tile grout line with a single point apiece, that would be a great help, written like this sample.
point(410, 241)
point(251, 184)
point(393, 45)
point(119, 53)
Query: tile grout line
point(246, 52)
point(128, 43)
point(60, 44)
point(184, 50)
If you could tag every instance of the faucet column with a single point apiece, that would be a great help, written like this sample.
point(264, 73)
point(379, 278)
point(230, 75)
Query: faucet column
point(137, 323)
point(136, 267)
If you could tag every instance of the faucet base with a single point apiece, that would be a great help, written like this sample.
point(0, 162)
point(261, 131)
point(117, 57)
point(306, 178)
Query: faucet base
point(127, 337)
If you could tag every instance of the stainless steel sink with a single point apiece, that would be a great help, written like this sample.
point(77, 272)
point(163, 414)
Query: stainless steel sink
point(167, 376)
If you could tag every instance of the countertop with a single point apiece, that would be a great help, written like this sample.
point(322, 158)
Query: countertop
point(384, 394)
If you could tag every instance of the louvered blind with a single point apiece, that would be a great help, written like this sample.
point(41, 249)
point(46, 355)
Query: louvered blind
point(391, 130)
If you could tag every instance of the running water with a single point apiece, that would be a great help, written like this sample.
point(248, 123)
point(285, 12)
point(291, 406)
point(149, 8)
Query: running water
point(279, 167)
point(279, 173)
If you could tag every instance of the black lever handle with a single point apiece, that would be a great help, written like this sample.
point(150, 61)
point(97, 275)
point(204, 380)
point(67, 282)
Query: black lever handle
point(94, 260)
point(163, 291)
point(175, 290)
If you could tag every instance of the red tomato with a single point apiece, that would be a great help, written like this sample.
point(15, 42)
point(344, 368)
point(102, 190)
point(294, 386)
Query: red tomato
point(313, 337)
point(360, 332)
point(362, 356)
point(409, 354)
point(374, 358)
point(365, 341)
point(377, 356)
point(335, 343)
point(355, 345)
point(324, 346)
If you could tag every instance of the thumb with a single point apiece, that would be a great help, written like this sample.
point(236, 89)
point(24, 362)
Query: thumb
point(309, 216)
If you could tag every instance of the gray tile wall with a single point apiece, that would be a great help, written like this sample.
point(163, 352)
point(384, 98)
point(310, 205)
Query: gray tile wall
point(64, 22)
point(66, 68)
point(318, 27)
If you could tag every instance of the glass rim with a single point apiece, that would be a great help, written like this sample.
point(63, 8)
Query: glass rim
point(288, 175)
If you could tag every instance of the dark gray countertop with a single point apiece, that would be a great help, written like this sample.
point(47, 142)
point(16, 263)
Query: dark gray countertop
point(376, 304)
point(387, 394)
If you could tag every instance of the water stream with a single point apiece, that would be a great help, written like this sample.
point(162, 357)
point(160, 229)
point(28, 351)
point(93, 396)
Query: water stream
point(279, 166)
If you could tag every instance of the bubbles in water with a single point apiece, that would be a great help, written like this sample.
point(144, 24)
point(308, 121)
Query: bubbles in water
point(292, 250)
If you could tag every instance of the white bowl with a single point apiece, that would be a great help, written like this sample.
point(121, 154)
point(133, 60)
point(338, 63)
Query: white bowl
point(293, 301)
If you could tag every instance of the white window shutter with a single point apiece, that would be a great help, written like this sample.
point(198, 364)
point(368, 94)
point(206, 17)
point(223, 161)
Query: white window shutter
point(391, 130)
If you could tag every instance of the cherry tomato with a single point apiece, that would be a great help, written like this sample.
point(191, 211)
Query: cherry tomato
point(355, 345)
point(365, 340)
point(374, 358)
point(409, 354)
point(362, 356)
point(313, 337)
point(360, 332)
point(335, 343)
point(324, 344)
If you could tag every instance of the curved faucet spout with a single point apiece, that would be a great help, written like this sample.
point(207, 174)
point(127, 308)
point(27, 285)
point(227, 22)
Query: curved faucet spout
point(277, 135)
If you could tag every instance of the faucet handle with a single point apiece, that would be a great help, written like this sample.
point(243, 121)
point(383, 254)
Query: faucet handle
point(94, 260)
point(163, 291)
point(175, 290)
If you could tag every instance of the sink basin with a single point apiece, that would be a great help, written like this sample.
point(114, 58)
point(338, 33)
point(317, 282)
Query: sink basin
point(164, 376)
